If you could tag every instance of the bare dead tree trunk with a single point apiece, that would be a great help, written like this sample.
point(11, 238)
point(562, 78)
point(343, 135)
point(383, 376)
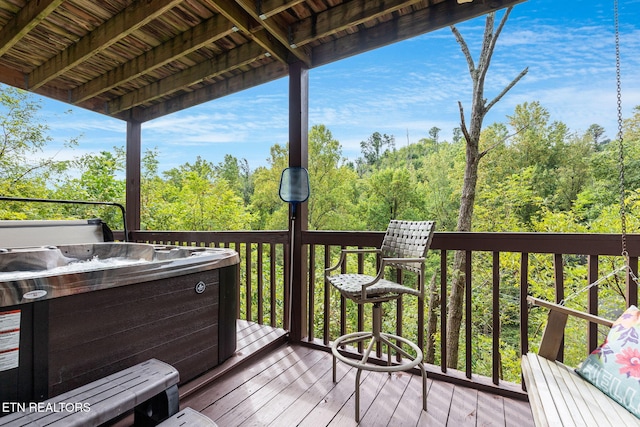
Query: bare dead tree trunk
point(432, 319)
point(479, 108)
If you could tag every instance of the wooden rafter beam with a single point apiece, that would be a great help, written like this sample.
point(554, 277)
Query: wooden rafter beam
point(191, 40)
point(15, 78)
point(238, 57)
point(251, 78)
point(129, 20)
point(252, 28)
point(343, 16)
point(269, 8)
point(437, 16)
point(275, 27)
point(25, 20)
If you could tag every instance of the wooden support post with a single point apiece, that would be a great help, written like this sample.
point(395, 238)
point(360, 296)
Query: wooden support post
point(132, 204)
point(299, 157)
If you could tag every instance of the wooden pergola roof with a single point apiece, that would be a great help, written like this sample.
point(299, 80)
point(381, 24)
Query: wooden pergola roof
point(140, 60)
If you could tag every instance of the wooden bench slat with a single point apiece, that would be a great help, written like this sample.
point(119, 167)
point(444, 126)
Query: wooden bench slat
point(544, 402)
point(560, 397)
point(574, 390)
point(107, 397)
point(603, 407)
point(535, 397)
point(571, 413)
point(564, 405)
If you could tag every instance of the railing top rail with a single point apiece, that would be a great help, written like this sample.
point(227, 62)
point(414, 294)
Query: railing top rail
point(553, 243)
point(275, 236)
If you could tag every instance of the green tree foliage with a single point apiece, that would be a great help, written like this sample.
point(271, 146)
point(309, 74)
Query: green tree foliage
point(373, 149)
point(269, 211)
point(195, 196)
point(538, 176)
point(24, 168)
point(392, 194)
point(100, 179)
point(333, 184)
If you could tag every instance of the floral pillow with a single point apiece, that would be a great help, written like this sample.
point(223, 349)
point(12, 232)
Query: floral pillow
point(614, 367)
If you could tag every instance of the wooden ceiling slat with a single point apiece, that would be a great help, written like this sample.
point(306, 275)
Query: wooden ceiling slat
point(404, 27)
point(251, 78)
point(250, 26)
point(272, 45)
point(193, 39)
point(124, 23)
point(277, 29)
point(24, 21)
point(343, 16)
point(269, 8)
point(235, 58)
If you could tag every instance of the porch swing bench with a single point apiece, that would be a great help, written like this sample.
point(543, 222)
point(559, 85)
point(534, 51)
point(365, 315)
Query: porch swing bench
point(557, 394)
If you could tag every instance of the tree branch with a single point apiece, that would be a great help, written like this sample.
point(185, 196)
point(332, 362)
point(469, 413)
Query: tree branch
point(488, 43)
point(506, 89)
point(465, 49)
point(500, 26)
point(463, 125)
point(491, 38)
point(28, 170)
point(485, 152)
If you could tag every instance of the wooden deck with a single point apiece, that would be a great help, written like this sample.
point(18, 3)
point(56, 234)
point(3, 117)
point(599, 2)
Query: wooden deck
point(291, 385)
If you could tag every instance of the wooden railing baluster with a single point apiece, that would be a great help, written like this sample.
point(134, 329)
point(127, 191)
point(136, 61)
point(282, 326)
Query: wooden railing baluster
point(273, 286)
point(312, 292)
point(558, 270)
point(592, 302)
point(260, 284)
point(327, 297)
point(255, 261)
point(468, 320)
point(495, 315)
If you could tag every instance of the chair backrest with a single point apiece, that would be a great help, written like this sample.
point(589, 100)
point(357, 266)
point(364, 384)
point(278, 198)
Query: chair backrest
point(407, 239)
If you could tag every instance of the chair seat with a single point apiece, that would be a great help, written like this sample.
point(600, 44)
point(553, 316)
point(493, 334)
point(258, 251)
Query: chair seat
point(350, 285)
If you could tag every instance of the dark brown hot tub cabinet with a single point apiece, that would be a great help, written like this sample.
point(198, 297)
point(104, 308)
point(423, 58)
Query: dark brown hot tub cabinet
point(106, 324)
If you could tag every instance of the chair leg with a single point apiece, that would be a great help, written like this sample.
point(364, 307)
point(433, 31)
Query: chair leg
point(334, 369)
point(358, 395)
point(377, 338)
point(423, 374)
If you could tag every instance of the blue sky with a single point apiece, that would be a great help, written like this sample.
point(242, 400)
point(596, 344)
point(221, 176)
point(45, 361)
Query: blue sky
point(403, 90)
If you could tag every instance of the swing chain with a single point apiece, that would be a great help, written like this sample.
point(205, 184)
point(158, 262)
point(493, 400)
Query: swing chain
point(623, 213)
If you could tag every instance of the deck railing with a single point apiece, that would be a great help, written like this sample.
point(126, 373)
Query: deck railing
point(497, 280)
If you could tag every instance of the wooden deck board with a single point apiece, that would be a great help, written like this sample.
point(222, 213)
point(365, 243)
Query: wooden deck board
point(369, 388)
point(291, 385)
point(438, 404)
point(409, 409)
point(383, 407)
point(490, 410)
point(337, 396)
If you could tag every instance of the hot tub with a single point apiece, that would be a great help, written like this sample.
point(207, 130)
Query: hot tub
point(70, 314)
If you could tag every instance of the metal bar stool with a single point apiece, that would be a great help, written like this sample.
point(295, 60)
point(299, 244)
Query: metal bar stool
point(404, 247)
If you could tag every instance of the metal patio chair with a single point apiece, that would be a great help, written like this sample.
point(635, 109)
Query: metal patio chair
point(404, 247)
